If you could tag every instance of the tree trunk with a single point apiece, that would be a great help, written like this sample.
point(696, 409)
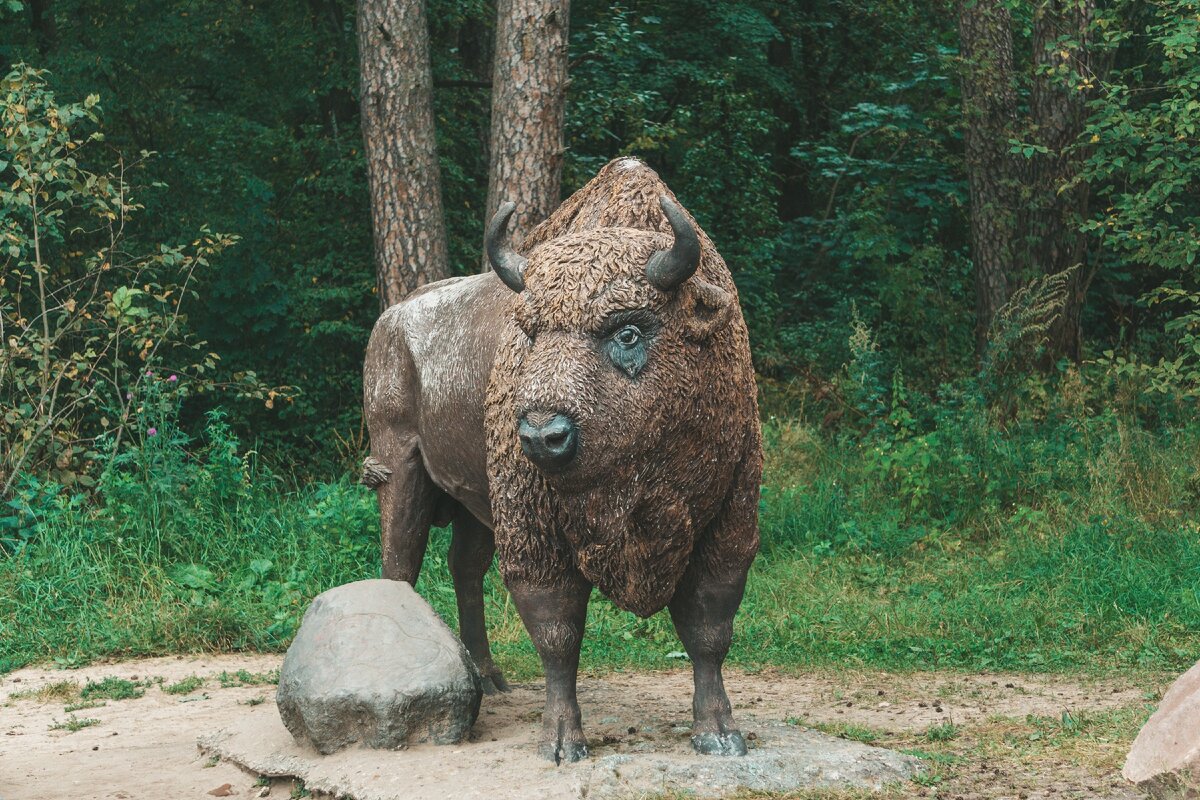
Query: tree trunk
point(990, 112)
point(1062, 64)
point(45, 28)
point(402, 165)
point(529, 82)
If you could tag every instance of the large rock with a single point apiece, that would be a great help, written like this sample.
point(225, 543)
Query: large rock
point(373, 663)
point(1165, 758)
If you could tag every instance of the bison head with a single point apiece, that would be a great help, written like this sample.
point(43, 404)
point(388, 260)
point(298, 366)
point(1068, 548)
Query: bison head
point(616, 325)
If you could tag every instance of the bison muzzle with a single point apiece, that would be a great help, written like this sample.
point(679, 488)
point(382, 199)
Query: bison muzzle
point(587, 410)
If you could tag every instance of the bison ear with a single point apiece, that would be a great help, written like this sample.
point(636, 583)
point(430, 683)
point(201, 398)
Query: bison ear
point(707, 309)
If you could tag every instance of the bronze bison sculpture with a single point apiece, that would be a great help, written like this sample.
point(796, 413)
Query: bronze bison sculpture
point(588, 411)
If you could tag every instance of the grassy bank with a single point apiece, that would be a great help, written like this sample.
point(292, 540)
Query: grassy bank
point(1043, 547)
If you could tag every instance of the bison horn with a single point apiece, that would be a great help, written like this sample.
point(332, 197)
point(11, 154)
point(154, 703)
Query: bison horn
point(507, 263)
point(667, 269)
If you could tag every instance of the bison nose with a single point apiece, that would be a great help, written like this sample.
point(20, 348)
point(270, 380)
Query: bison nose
point(549, 443)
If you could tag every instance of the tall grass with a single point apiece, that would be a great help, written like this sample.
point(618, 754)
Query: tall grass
point(1068, 545)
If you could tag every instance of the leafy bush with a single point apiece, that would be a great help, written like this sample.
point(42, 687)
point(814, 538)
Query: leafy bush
point(84, 322)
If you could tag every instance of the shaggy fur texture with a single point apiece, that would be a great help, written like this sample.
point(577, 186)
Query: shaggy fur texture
point(669, 461)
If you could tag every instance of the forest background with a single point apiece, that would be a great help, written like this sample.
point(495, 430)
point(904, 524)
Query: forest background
point(964, 237)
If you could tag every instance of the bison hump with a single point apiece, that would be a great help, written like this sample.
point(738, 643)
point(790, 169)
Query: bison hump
point(624, 194)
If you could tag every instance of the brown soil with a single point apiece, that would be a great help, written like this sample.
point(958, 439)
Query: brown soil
point(145, 748)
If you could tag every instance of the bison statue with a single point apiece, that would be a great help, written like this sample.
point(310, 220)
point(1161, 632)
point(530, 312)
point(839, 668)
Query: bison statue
point(587, 410)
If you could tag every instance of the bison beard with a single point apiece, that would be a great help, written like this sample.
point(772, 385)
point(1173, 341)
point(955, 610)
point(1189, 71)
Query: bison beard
point(622, 444)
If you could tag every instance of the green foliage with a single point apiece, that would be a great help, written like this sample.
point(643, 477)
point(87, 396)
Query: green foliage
point(81, 317)
point(185, 686)
point(851, 731)
point(73, 723)
point(84, 704)
point(819, 143)
point(113, 689)
point(246, 678)
point(253, 109)
point(1142, 142)
point(881, 235)
point(189, 548)
point(940, 540)
point(942, 733)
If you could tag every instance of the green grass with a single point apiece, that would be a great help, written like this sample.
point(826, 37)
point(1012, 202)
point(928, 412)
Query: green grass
point(246, 678)
point(186, 686)
point(74, 723)
point(846, 730)
point(83, 705)
point(942, 733)
point(1044, 547)
point(113, 689)
point(59, 691)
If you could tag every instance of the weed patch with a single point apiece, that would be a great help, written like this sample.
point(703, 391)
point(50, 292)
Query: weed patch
point(114, 689)
point(243, 677)
point(185, 686)
point(83, 705)
point(942, 733)
point(59, 691)
point(851, 731)
point(74, 723)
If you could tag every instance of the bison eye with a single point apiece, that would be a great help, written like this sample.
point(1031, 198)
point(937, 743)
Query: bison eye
point(626, 348)
point(629, 336)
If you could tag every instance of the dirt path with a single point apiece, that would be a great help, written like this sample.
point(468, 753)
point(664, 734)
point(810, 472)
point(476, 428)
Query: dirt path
point(987, 735)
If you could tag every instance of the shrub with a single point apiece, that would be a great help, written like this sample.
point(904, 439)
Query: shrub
point(84, 322)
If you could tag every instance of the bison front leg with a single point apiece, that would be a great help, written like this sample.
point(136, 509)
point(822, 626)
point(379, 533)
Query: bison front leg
point(702, 610)
point(555, 616)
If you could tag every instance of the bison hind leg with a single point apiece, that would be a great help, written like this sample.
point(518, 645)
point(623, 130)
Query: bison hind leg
point(471, 550)
point(408, 501)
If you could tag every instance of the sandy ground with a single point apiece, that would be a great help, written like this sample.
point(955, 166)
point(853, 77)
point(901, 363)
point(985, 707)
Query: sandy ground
point(145, 748)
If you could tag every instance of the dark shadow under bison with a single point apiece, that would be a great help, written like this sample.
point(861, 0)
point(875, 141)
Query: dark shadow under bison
point(588, 411)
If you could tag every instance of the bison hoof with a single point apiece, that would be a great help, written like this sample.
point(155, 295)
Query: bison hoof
point(494, 683)
point(560, 752)
point(730, 743)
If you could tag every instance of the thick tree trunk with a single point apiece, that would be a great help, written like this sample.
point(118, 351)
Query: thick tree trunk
point(1062, 65)
point(401, 150)
point(529, 82)
point(990, 111)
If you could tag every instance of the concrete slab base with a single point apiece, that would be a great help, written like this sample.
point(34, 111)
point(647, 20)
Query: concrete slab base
point(501, 761)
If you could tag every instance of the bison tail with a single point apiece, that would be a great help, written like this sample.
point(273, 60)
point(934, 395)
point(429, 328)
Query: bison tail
point(374, 473)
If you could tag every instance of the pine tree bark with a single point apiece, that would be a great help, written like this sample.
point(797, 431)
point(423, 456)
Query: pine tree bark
point(990, 111)
point(1063, 65)
point(401, 149)
point(529, 83)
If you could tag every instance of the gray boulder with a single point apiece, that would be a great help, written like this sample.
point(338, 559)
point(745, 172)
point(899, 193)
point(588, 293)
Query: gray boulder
point(1165, 758)
point(373, 663)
